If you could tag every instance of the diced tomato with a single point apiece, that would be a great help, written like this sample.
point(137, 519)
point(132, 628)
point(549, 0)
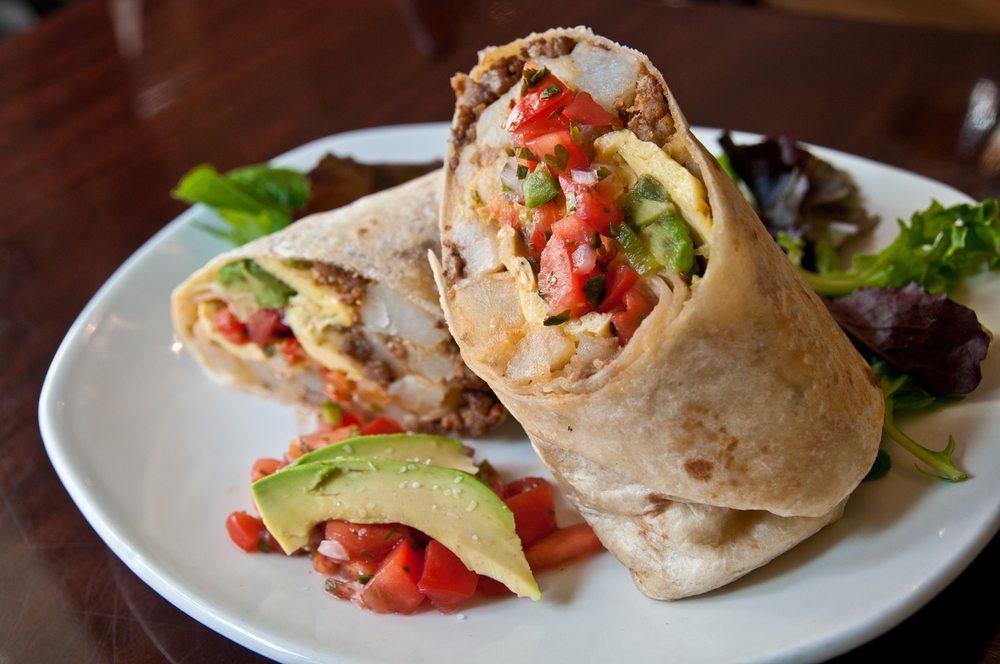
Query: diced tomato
point(620, 279)
point(492, 588)
point(350, 419)
point(229, 326)
point(394, 588)
point(542, 218)
point(359, 568)
point(541, 101)
point(522, 485)
point(545, 145)
point(245, 530)
point(264, 467)
point(562, 546)
point(264, 324)
point(590, 205)
point(446, 581)
point(367, 541)
point(573, 230)
point(381, 425)
point(626, 322)
point(292, 350)
point(561, 288)
point(321, 439)
point(534, 513)
point(584, 109)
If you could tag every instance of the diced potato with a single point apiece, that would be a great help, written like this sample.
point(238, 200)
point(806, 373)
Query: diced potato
point(542, 351)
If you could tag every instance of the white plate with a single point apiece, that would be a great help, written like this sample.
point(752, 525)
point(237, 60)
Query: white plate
point(156, 455)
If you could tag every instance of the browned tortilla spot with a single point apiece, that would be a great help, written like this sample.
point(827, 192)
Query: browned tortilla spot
point(699, 469)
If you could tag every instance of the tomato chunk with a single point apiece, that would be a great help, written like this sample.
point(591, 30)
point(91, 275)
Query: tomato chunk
point(584, 109)
point(522, 485)
point(368, 541)
point(381, 425)
point(542, 218)
point(620, 279)
point(264, 324)
point(534, 513)
point(534, 108)
point(245, 531)
point(557, 149)
point(562, 546)
point(558, 284)
point(394, 587)
point(320, 439)
point(264, 467)
point(573, 230)
point(446, 581)
point(229, 326)
point(626, 322)
point(492, 588)
point(590, 205)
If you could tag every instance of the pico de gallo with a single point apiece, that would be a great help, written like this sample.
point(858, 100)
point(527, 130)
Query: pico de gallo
point(393, 568)
point(591, 231)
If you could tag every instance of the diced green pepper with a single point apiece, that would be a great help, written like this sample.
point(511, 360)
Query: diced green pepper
point(539, 187)
point(646, 201)
point(669, 242)
point(333, 414)
point(635, 249)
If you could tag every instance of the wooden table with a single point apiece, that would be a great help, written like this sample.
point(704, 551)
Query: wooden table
point(104, 105)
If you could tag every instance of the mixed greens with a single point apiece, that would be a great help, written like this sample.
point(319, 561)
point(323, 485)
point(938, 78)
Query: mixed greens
point(925, 348)
point(254, 201)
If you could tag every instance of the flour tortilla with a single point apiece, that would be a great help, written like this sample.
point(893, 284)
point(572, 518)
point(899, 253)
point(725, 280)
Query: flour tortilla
point(727, 430)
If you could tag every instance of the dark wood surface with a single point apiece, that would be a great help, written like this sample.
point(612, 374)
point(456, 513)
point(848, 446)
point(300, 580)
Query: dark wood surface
point(104, 105)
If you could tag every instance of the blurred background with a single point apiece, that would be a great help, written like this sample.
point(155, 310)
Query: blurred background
point(980, 15)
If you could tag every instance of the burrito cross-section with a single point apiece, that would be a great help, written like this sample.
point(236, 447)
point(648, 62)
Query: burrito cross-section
point(610, 283)
point(340, 305)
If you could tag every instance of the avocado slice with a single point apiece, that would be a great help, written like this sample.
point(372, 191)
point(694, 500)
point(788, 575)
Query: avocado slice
point(453, 507)
point(418, 448)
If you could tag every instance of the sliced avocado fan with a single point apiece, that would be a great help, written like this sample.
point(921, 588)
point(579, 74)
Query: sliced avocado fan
point(453, 507)
point(418, 448)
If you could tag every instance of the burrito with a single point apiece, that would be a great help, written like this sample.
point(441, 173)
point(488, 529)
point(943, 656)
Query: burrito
point(687, 389)
point(340, 305)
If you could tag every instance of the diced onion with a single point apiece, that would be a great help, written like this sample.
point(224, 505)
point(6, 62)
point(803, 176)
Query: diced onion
point(584, 259)
point(587, 176)
point(333, 549)
point(508, 176)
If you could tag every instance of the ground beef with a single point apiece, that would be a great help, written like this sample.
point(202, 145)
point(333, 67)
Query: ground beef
point(477, 412)
point(378, 372)
point(472, 97)
point(649, 116)
point(350, 285)
point(454, 264)
point(354, 344)
point(549, 48)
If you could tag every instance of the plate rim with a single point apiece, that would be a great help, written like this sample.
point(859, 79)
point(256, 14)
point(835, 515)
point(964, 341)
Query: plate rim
point(173, 589)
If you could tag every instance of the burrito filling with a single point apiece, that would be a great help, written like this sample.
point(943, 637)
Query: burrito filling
point(596, 224)
point(344, 338)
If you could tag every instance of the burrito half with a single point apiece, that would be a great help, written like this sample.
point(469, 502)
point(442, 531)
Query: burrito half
point(340, 305)
point(601, 273)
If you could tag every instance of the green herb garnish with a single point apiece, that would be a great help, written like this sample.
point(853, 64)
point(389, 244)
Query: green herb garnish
point(594, 289)
point(558, 319)
point(550, 91)
point(365, 578)
point(558, 160)
point(533, 76)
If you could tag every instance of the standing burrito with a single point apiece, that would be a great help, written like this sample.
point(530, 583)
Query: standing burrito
point(339, 305)
point(599, 271)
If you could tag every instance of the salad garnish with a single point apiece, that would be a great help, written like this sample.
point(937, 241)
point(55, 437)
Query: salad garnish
point(925, 348)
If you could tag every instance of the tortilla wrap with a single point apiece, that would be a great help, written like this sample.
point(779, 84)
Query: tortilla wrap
point(371, 316)
point(738, 418)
